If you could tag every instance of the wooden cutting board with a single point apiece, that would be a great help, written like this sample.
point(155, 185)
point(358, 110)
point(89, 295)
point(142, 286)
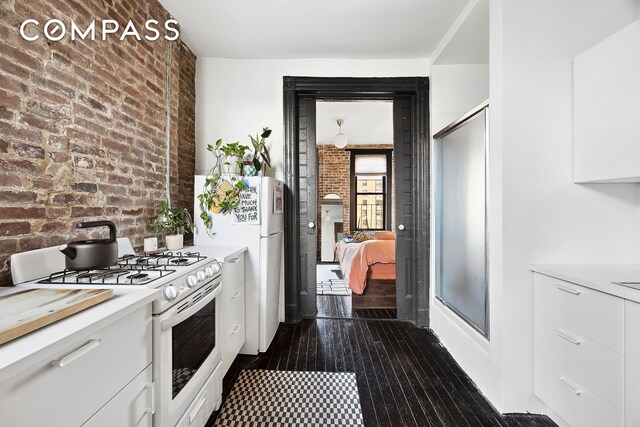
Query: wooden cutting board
point(27, 311)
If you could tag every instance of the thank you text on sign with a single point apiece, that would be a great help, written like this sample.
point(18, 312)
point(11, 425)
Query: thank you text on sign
point(248, 210)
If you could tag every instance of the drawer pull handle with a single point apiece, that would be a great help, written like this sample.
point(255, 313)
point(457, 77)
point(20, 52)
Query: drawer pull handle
point(233, 260)
point(569, 387)
point(77, 353)
point(152, 410)
point(194, 413)
point(236, 295)
point(568, 337)
point(236, 329)
point(568, 290)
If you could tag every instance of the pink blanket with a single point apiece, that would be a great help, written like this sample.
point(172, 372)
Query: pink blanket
point(355, 259)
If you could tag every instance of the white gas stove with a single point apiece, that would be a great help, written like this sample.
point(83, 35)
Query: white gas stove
point(178, 274)
point(186, 329)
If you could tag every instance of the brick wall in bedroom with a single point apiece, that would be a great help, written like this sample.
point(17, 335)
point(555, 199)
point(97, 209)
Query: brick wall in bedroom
point(334, 171)
point(82, 125)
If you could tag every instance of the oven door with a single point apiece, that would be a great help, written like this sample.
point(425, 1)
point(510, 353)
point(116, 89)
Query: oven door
point(185, 352)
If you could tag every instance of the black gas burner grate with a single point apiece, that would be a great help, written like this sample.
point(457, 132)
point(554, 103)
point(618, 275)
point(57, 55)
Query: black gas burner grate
point(129, 270)
point(163, 259)
point(115, 275)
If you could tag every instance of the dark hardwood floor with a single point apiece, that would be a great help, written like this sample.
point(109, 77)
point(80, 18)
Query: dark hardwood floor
point(339, 307)
point(405, 376)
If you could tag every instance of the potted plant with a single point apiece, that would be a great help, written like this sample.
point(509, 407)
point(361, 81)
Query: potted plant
point(234, 156)
point(174, 223)
point(261, 157)
point(220, 193)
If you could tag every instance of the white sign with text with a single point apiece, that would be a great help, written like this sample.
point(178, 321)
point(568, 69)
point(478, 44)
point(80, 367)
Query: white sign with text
point(248, 210)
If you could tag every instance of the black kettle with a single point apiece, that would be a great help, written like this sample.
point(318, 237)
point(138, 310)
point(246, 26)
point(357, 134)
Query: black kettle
point(94, 253)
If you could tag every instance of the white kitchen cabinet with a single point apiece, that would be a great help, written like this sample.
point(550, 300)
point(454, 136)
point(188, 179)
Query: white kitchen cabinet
point(232, 309)
point(632, 364)
point(132, 406)
point(606, 145)
point(587, 353)
point(89, 373)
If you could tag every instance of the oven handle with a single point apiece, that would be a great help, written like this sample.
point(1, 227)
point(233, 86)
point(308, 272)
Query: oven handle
point(174, 320)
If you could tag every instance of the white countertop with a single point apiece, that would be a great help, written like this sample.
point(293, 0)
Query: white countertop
point(22, 352)
point(220, 253)
point(597, 277)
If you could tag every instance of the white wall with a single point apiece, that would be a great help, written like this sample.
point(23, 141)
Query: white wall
point(536, 213)
point(544, 217)
point(455, 90)
point(235, 97)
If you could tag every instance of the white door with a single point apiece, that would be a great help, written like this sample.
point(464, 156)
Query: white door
point(270, 253)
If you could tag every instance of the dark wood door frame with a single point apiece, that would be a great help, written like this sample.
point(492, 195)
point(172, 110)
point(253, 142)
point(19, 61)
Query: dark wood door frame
point(416, 304)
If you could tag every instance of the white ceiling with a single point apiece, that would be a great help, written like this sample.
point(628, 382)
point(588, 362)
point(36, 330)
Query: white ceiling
point(470, 43)
point(369, 122)
point(279, 29)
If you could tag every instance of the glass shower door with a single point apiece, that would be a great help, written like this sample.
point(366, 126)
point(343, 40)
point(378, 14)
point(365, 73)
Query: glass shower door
point(461, 250)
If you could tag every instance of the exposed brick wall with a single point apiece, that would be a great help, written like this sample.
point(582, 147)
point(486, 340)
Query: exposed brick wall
point(334, 171)
point(82, 126)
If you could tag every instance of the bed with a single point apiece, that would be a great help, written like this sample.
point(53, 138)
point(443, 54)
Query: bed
point(370, 269)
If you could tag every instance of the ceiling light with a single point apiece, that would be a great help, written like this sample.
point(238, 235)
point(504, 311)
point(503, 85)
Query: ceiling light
point(340, 141)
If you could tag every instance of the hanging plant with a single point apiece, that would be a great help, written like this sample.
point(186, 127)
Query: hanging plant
point(221, 194)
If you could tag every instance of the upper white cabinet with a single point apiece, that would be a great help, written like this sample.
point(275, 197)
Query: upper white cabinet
point(606, 96)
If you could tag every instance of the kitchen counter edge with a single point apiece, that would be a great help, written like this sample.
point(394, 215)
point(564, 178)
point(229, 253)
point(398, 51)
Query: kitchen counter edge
point(22, 352)
point(599, 277)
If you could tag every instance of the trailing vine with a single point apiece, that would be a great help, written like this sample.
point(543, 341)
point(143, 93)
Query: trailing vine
point(220, 194)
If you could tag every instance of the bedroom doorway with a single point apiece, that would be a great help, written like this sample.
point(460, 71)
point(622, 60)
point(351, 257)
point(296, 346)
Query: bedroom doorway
point(409, 181)
point(355, 193)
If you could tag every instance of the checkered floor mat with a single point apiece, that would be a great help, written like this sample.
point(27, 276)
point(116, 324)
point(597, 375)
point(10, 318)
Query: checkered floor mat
point(284, 398)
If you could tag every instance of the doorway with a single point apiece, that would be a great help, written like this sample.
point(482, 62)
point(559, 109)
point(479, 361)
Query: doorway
point(354, 145)
point(409, 96)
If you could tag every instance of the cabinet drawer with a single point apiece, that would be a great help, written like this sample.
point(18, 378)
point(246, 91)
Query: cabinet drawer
point(233, 271)
point(132, 407)
point(229, 291)
point(207, 401)
point(571, 400)
point(232, 309)
point(82, 378)
point(578, 356)
point(231, 345)
point(233, 329)
point(588, 313)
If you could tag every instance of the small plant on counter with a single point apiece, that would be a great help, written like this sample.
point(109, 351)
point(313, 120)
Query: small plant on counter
point(173, 223)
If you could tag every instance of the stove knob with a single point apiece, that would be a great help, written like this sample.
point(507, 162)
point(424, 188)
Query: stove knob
point(192, 280)
point(170, 293)
point(209, 271)
point(215, 267)
point(201, 276)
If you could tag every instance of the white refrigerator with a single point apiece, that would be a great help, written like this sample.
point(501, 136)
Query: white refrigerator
point(260, 229)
